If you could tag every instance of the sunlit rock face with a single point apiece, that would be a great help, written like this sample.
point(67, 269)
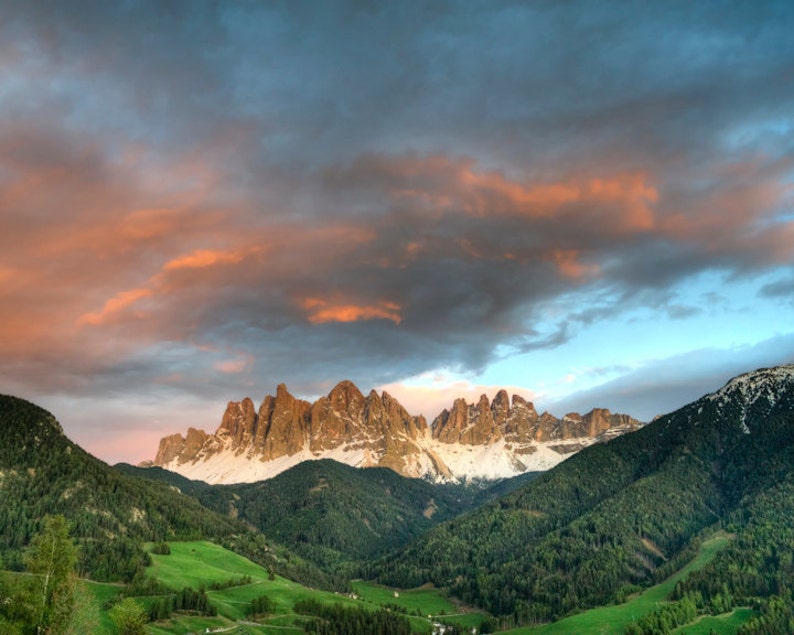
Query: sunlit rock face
point(482, 440)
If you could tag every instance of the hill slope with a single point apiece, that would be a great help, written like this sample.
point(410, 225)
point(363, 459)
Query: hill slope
point(617, 514)
point(42, 472)
point(331, 513)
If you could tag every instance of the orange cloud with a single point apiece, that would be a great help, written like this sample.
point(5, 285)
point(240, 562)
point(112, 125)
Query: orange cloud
point(437, 185)
point(147, 224)
point(7, 275)
point(567, 261)
point(113, 306)
point(632, 194)
point(538, 200)
point(204, 258)
point(735, 210)
point(322, 311)
point(624, 200)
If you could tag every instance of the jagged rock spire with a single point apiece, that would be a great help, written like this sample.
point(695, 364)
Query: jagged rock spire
point(378, 430)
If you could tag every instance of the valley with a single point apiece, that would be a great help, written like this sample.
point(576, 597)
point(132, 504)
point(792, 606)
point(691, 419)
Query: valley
point(681, 526)
point(375, 317)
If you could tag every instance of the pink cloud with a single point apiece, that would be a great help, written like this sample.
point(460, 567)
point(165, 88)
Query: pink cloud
point(235, 366)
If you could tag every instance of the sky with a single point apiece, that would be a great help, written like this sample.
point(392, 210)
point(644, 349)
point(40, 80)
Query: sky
point(586, 203)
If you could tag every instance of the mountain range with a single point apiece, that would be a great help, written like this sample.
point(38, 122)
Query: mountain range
point(609, 522)
point(482, 440)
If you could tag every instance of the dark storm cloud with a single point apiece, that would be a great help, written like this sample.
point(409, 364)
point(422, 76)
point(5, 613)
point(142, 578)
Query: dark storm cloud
point(784, 289)
point(207, 193)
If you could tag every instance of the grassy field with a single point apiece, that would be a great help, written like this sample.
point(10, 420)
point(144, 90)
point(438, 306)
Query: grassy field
point(612, 620)
point(106, 595)
point(726, 624)
point(200, 564)
point(426, 601)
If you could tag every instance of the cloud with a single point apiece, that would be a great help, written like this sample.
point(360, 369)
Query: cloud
point(778, 289)
point(320, 311)
point(196, 198)
point(464, 279)
point(233, 366)
point(117, 303)
point(203, 258)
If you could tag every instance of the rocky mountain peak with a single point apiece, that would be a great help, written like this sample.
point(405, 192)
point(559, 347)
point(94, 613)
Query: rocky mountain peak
point(346, 395)
point(520, 402)
point(378, 430)
point(283, 424)
point(484, 422)
point(170, 448)
point(282, 392)
point(337, 417)
point(239, 421)
point(500, 408)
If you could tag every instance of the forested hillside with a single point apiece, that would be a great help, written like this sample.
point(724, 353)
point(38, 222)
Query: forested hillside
point(625, 513)
point(758, 567)
point(111, 514)
point(336, 515)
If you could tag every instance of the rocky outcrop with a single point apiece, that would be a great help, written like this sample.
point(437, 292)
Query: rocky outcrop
point(487, 439)
point(283, 427)
point(239, 423)
point(485, 422)
point(170, 448)
point(337, 417)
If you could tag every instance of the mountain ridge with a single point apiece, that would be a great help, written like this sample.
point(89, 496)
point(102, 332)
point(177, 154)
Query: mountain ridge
point(482, 440)
point(625, 514)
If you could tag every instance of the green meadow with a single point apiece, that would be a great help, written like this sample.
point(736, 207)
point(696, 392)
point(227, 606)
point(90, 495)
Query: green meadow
point(427, 602)
point(106, 595)
point(202, 564)
point(726, 624)
point(199, 564)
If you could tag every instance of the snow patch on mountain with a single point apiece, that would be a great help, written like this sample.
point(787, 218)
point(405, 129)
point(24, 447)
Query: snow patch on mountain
point(465, 462)
point(759, 390)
